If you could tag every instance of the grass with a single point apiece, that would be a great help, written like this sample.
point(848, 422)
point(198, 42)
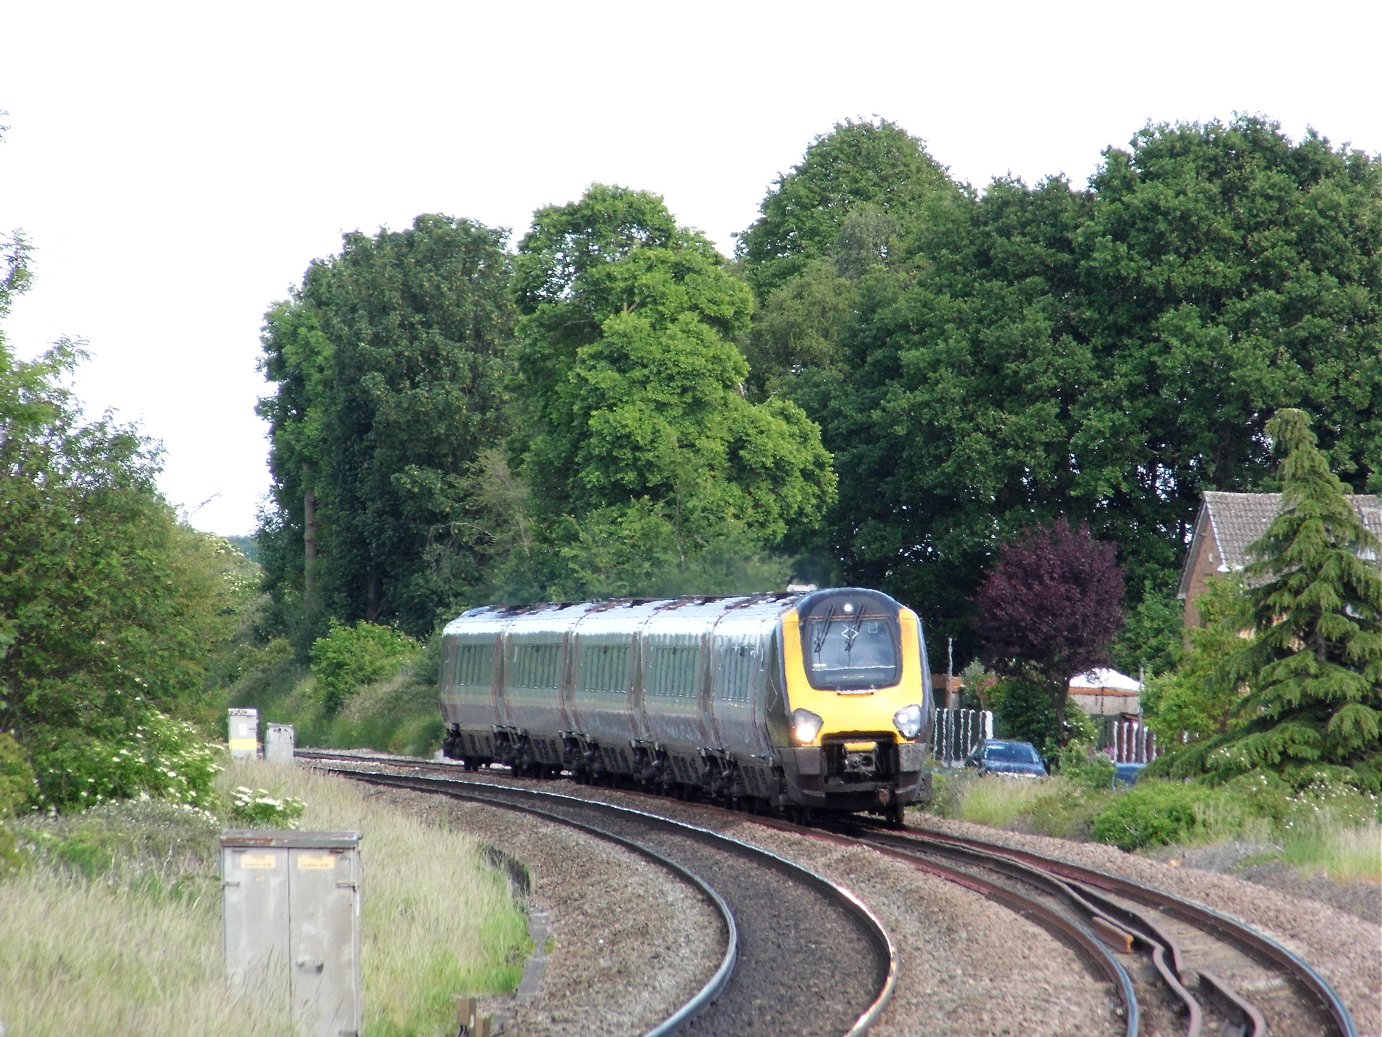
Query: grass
point(117, 921)
point(1336, 835)
point(1347, 853)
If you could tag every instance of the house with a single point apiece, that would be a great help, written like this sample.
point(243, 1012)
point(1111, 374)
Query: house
point(1230, 523)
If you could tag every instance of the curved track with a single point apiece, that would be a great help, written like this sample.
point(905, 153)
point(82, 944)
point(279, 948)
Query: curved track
point(1164, 965)
point(798, 935)
point(1193, 971)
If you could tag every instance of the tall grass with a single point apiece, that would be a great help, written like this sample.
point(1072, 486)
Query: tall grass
point(998, 802)
point(1348, 852)
point(116, 925)
point(1332, 832)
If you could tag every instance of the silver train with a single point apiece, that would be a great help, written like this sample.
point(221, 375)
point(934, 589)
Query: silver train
point(812, 701)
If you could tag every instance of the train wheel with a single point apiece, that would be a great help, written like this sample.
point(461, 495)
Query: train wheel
point(897, 815)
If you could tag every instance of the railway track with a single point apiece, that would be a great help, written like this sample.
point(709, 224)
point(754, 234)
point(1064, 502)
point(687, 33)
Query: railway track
point(1158, 964)
point(1189, 970)
point(790, 934)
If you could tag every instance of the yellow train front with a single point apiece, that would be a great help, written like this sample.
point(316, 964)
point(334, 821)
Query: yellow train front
point(814, 701)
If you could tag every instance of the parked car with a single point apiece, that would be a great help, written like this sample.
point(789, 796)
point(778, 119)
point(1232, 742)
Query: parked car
point(1127, 773)
point(1003, 756)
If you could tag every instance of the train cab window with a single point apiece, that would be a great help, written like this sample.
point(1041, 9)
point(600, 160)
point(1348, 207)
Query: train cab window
point(851, 644)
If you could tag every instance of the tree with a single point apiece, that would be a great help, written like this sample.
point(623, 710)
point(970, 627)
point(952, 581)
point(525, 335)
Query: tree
point(643, 457)
point(952, 416)
point(864, 182)
point(390, 367)
point(109, 608)
point(296, 358)
point(1225, 273)
point(1050, 608)
point(1312, 672)
point(1197, 700)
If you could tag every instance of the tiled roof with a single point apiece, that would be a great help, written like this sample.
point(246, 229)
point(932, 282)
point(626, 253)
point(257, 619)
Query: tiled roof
point(1238, 520)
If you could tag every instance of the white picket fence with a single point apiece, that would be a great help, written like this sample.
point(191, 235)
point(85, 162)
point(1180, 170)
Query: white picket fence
point(955, 733)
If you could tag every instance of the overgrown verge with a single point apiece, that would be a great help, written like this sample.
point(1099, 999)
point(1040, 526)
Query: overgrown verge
point(116, 914)
point(1325, 829)
point(366, 687)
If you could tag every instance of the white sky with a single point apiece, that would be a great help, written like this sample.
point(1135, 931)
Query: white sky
point(176, 166)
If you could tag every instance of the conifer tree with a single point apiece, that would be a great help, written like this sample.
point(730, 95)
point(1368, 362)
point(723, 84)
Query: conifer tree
point(1312, 671)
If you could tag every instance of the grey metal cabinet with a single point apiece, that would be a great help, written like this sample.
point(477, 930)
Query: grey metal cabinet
point(292, 923)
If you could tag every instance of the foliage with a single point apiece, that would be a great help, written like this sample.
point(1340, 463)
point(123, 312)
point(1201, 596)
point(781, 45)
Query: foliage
point(390, 365)
point(1051, 806)
point(1050, 608)
point(1151, 813)
point(1311, 708)
point(993, 371)
point(348, 658)
point(645, 463)
point(1237, 271)
point(16, 788)
point(259, 808)
point(1197, 700)
point(136, 752)
point(856, 188)
point(1084, 766)
point(109, 608)
point(1152, 640)
point(156, 847)
point(16, 776)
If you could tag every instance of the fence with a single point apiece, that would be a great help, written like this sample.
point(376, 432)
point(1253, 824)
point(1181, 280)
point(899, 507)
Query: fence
point(1128, 741)
point(955, 732)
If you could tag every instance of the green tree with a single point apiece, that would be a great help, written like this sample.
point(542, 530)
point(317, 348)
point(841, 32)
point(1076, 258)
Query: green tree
point(389, 366)
point(952, 417)
point(296, 359)
point(1198, 700)
point(109, 608)
point(1312, 672)
point(855, 191)
point(1225, 273)
point(642, 454)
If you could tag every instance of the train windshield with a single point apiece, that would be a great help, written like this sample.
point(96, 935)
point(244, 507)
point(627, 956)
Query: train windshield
point(851, 644)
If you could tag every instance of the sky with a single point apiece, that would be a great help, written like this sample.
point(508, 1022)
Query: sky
point(176, 166)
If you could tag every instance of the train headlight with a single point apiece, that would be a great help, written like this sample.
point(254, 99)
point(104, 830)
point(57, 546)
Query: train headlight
point(805, 726)
point(907, 720)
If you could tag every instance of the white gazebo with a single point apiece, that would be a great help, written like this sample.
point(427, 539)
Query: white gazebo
point(1102, 692)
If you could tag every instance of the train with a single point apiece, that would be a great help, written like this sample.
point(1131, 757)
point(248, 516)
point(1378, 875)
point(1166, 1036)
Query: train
point(799, 701)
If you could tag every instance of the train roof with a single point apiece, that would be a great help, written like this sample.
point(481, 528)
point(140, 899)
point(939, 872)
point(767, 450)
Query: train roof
point(686, 613)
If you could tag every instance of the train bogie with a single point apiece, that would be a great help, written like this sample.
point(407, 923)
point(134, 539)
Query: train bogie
point(819, 700)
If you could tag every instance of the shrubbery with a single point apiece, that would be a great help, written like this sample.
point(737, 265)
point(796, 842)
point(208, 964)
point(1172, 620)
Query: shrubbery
point(147, 753)
point(1081, 764)
point(258, 808)
point(350, 657)
point(1151, 813)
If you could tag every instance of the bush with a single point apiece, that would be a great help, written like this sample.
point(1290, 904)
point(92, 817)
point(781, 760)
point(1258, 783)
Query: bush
point(149, 754)
point(351, 657)
point(257, 808)
point(1084, 766)
point(16, 776)
point(1151, 813)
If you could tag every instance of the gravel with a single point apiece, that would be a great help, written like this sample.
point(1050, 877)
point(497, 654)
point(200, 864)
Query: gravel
point(968, 967)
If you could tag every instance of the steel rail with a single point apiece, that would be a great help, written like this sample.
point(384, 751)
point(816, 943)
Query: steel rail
point(499, 794)
point(1266, 950)
point(712, 987)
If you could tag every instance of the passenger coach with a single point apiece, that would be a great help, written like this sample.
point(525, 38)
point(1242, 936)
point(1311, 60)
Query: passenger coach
point(817, 701)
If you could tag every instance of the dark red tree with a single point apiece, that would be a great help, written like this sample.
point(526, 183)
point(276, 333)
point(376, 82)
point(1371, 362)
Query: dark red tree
point(1050, 608)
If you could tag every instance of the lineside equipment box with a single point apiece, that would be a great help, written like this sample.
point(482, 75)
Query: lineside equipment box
point(244, 733)
point(292, 922)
